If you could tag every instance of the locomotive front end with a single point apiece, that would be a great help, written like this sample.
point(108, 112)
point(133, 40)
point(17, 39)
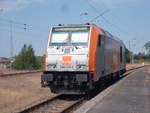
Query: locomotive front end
point(66, 64)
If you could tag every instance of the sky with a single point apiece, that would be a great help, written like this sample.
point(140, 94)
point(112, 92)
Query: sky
point(31, 20)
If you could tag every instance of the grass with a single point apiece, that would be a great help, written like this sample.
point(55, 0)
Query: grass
point(141, 61)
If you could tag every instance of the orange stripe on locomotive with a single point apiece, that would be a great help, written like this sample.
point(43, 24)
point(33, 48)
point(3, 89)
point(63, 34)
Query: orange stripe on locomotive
point(95, 31)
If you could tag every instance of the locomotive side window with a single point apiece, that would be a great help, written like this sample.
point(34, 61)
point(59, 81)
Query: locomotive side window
point(99, 40)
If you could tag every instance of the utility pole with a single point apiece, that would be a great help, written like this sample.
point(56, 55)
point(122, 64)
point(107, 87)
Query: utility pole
point(130, 51)
point(82, 14)
point(132, 46)
point(1, 10)
point(11, 40)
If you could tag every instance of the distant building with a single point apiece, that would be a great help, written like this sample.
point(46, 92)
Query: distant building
point(5, 63)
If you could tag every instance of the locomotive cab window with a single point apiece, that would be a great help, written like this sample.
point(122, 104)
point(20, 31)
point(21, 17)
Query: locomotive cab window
point(69, 36)
point(79, 38)
point(99, 40)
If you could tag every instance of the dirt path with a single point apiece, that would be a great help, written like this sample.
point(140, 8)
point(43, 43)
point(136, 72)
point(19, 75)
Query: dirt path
point(19, 91)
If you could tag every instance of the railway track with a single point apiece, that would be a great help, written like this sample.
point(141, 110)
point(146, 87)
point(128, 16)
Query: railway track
point(57, 104)
point(63, 103)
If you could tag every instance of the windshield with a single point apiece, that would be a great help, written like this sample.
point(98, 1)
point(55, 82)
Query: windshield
point(59, 38)
point(64, 37)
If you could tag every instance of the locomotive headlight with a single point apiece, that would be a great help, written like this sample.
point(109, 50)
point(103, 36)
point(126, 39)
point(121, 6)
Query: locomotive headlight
point(81, 66)
point(51, 66)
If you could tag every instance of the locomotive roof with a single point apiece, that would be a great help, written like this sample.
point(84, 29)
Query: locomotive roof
point(73, 25)
point(108, 34)
point(112, 37)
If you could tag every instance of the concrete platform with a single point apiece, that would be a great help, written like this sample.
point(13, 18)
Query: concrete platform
point(130, 95)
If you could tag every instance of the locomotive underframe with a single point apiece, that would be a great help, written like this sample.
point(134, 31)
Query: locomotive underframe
point(73, 82)
point(67, 82)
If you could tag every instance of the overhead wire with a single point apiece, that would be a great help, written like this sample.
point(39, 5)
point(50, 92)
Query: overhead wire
point(31, 34)
point(98, 16)
point(106, 20)
point(20, 26)
point(15, 28)
point(15, 22)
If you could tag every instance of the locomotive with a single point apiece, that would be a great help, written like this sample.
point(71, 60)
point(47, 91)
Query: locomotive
point(77, 57)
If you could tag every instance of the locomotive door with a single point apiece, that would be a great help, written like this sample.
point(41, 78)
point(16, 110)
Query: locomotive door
point(100, 57)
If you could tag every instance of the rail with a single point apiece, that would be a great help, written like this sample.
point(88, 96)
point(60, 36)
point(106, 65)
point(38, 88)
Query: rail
point(57, 104)
point(65, 103)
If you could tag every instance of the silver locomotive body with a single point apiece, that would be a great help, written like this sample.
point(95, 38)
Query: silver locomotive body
point(78, 57)
point(67, 59)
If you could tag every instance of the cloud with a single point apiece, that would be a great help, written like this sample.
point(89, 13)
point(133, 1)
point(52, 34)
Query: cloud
point(10, 5)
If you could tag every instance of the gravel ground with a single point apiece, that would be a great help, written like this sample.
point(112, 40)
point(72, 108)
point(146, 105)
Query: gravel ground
point(8, 71)
point(135, 65)
point(16, 92)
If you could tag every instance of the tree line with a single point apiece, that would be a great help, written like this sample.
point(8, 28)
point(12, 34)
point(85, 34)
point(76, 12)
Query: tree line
point(139, 57)
point(26, 59)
